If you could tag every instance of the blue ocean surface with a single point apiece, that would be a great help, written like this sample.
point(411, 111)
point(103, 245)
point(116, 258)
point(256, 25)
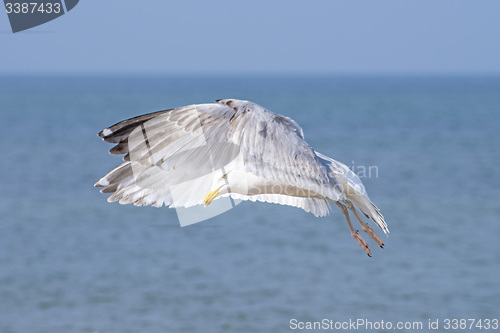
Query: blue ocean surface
point(427, 149)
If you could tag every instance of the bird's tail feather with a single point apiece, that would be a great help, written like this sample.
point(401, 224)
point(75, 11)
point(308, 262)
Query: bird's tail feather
point(368, 208)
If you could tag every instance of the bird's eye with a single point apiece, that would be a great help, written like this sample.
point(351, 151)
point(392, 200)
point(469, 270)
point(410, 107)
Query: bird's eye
point(224, 176)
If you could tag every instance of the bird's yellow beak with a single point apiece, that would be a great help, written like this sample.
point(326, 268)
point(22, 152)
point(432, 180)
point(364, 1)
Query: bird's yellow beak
point(210, 197)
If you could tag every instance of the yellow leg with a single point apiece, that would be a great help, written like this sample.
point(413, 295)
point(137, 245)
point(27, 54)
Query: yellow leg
point(210, 197)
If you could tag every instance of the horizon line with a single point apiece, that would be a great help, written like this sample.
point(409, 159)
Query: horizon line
point(253, 74)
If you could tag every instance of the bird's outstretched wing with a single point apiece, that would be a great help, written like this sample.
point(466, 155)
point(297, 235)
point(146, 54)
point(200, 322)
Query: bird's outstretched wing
point(168, 148)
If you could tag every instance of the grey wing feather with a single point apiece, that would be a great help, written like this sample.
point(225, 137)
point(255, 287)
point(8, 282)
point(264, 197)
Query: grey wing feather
point(121, 130)
point(275, 148)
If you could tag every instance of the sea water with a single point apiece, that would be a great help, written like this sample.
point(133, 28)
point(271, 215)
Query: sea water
point(72, 262)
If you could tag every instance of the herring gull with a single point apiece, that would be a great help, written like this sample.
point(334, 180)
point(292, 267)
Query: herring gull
point(191, 155)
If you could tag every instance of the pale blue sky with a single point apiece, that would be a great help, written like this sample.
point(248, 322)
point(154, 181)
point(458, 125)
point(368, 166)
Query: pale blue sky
point(272, 36)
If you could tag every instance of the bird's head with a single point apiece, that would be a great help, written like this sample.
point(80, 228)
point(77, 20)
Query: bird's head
point(236, 104)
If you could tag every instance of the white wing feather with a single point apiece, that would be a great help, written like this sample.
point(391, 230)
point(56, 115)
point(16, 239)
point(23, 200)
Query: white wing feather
point(164, 148)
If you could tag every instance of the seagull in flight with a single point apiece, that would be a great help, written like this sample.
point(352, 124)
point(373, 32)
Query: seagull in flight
point(195, 154)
